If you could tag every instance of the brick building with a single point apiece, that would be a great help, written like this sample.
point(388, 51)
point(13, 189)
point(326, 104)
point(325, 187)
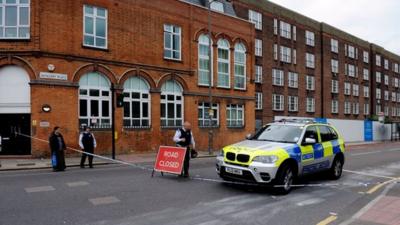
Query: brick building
point(61, 60)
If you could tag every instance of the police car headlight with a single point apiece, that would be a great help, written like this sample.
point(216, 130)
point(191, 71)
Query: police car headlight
point(266, 159)
point(220, 153)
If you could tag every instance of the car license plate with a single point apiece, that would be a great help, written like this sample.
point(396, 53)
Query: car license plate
point(233, 171)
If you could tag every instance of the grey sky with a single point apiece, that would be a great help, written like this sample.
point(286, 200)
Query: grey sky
point(371, 20)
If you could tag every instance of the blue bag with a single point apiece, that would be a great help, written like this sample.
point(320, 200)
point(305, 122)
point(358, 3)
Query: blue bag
point(54, 160)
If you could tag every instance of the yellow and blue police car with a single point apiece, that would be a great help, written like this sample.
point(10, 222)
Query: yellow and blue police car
point(282, 151)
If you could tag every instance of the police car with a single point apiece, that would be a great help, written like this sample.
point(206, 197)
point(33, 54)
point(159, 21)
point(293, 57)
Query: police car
point(282, 151)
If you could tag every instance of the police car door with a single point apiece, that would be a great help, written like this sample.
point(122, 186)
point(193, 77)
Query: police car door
point(330, 144)
point(307, 148)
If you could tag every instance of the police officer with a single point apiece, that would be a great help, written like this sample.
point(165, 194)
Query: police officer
point(87, 142)
point(184, 138)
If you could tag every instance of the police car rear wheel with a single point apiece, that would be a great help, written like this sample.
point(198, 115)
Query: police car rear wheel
point(284, 180)
point(336, 169)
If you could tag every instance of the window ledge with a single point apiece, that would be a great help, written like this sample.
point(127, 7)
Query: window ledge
point(130, 128)
point(173, 60)
point(208, 127)
point(15, 39)
point(170, 127)
point(235, 127)
point(95, 48)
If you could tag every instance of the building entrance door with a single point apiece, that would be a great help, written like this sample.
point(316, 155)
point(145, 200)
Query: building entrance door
point(11, 143)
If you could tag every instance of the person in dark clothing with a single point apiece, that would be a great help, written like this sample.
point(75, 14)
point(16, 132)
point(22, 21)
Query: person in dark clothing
point(184, 138)
point(87, 142)
point(57, 147)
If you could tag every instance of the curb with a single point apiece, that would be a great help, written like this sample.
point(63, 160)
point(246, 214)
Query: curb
point(48, 167)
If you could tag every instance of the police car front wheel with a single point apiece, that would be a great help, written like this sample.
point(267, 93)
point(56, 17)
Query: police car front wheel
point(284, 179)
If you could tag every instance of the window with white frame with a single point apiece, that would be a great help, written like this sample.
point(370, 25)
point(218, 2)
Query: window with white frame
point(204, 61)
point(275, 52)
point(171, 104)
point(334, 66)
point(14, 19)
point(203, 114)
point(293, 103)
point(310, 83)
point(172, 42)
point(293, 80)
point(335, 106)
point(386, 79)
point(240, 67)
point(275, 26)
point(136, 103)
point(347, 107)
point(258, 47)
point(366, 56)
point(94, 27)
point(393, 109)
point(365, 74)
point(310, 60)
point(366, 91)
point(386, 64)
point(259, 104)
point(378, 77)
point(285, 30)
point(386, 95)
point(378, 94)
point(396, 82)
point(223, 64)
point(356, 91)
point(351, 51)
point(347, 88)
point(294, 33)
point(259, 74)
point(286, 54)
point(398, 97)
point(278, 102)
point(310, 38)
point(277, 77)
point(378, 60)
point(366, 108)
point(334, 46)
point(393, 96)
point(396, 68)
point(378, 108)
point(94, 100)
point(256, 18)
point(356, 108)
point(294, 56)
point(217, 6)
point(386, 110)
point(335, 86)
point(350, 70)
point(310, 104)
point(235, 115)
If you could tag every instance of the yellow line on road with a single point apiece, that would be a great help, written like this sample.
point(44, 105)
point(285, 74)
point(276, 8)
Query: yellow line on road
point(378, 186)
point(328, 220)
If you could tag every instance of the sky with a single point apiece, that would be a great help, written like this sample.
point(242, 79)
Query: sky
point(371, 20)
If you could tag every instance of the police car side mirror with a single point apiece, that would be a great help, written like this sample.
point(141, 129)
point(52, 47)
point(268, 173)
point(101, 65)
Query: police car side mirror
point(310, 141)
point(248, 136)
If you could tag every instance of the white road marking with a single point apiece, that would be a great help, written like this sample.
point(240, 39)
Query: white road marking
point(365, 153)
point(77, 184)
point(39, 189)
point(311, 201)
point(104, 200)
point(368, 174)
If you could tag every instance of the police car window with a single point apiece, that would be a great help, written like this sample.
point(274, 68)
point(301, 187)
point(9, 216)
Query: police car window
point(311, 132)
point(279, 133)
point(333, 133)
point(325, 133)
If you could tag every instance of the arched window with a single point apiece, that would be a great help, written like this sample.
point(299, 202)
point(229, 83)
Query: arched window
point(240, 66)
point(204, 61)
point(94, 100)
point(136, 103)
point(223, 64)
point(171, 104)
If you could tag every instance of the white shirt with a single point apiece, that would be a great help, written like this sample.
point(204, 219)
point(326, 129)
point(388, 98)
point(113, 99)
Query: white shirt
point(177, 138)
point(81, 144)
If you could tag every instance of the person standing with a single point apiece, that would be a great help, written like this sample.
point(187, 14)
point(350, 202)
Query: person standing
point(87, 142)
point(57, 147)
point(184, 138)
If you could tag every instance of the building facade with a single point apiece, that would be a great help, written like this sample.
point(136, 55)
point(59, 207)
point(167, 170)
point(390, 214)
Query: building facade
point(62, 63)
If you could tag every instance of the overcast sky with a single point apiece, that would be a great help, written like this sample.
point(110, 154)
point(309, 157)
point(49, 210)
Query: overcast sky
point(371, 20)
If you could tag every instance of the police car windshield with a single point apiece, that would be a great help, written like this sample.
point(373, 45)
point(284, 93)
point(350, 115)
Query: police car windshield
point(279, 133)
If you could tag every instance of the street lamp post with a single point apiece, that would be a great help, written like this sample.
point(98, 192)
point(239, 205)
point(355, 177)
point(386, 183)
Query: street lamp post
point(210, 110)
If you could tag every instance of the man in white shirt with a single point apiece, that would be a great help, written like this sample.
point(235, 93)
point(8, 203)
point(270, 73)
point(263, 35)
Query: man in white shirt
point(184, 138)
point(87, 142)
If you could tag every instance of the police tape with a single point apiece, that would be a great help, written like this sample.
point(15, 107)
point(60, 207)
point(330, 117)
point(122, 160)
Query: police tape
point(199, 178)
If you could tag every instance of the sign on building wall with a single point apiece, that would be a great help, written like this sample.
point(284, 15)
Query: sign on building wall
point(368, 130)
point(53, 76)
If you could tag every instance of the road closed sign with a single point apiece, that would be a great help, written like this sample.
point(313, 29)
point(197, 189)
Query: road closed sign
point(170, 159)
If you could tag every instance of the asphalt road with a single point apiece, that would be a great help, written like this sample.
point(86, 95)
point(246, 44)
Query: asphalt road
point(124, 195)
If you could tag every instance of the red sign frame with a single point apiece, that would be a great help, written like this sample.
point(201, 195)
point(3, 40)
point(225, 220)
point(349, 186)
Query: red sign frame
point(170, 159)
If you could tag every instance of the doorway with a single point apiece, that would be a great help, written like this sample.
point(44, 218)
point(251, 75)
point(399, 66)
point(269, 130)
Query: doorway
point(10, 142)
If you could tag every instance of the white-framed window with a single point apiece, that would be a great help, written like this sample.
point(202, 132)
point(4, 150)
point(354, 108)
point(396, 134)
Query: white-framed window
point(347, 107)
point(310, 104)
point(256, 18)
point(396, 82)
point(217, 6)
point(356, 91)
point(335, 106)
point(294, 33)
point(378, 77)
point(334, 66)
point(365, 74)
point(293, 80)
point(378, 108)
point(378, 94)
point(310, 38)
point(235, 115)
point(378, 60)
point(172, 42)
point(204, 61)
point(351, 53)
point(259, 74)
point(386, 95)
point(224, 58)
point(393, 109)
point(14, 19)
point(396, 68)
point(277, 77)
point(275, 26)
point(203, 114)
point(94, 26)
point(393, 96)
point(386, 110)
point(278, 102)
point(334, 46)
point(335, 86)
point(366, 91)
point(94, 100)
point(171, 104)
point(294, 55)
point(285, 30)
point(293, 103)
point(398, 97)
point(258, 47)
point(356, 108)
point(310, 83)
point(350, 70)
point(286, 54)
point(310, 60)
point(275, 52)
point(259, 103)
point(386, 79)
point(386, 64)
point(136, 103)
point(366, 109)
point(366, 56)
point(240, 67)
point(347, 88)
